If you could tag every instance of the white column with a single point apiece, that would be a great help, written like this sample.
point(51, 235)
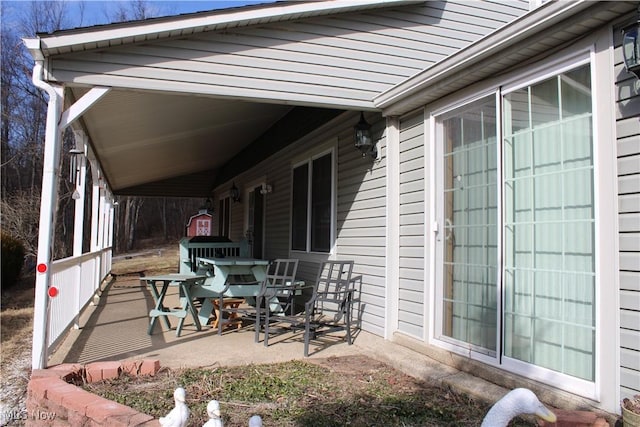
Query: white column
point(95, 206)
point(95, 218)
point(111, 221)
point(78, 222)
point(102, 218)
point(48, 209)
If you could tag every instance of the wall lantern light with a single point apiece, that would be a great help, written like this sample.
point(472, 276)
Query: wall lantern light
point(234, 193)
point(631, 46)
point(364, 140)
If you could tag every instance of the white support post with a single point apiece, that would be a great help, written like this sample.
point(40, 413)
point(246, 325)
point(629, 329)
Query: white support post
point(111, 221)
point(102, 220)
point(78, 221)
point(48, 209)
point(95, 207)
point(95, 217)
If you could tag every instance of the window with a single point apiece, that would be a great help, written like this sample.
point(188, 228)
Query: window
point(312, 205)
point(516, 275)
point(224, 221)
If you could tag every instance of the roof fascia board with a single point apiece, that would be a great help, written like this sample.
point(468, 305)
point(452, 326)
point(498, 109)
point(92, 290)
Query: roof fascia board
point(520, 29)
point(205, 20)
point(33, 46)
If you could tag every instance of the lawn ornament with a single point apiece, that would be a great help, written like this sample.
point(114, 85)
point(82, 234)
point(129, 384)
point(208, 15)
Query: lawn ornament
point(255, 421)
point(517, 402)
point(213, 410)
point(180, 413)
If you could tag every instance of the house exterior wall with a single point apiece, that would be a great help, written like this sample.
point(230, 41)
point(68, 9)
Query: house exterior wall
point(360, 209)
point(412, 253)
point(341, 60)
point(606, 61)
point(627, 92)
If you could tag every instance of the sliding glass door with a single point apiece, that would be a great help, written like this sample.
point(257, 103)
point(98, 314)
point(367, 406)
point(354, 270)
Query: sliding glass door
point(549, 257)
point(516, 248)
point(470, 261)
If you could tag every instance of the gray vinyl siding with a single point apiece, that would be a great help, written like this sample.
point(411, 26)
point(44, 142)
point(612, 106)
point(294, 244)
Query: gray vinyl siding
point(337, 60)
point(361, 215)
point(411, 289)
point(628, 152)
point(360, 210)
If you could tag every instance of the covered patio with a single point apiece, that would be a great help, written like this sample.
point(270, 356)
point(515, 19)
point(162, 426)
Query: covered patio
point(114, 327)
point(191, 120)
point(253, 108)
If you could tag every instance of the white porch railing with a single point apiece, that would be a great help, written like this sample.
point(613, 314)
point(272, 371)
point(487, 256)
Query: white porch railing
point(77, 280)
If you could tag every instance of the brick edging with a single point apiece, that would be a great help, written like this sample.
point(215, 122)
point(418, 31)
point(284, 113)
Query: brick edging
point(53, 399)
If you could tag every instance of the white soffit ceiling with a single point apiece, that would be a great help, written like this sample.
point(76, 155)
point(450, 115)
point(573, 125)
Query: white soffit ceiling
point(141, 137)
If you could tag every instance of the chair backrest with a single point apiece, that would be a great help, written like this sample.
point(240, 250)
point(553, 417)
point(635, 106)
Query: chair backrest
point(281, 272)
point(334, 276)
point(281, 275)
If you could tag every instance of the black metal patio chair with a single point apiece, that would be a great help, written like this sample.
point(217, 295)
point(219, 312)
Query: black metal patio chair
point(329, 307)
point(277, 295)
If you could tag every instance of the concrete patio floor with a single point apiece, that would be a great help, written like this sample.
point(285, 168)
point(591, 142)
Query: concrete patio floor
point(116, 329)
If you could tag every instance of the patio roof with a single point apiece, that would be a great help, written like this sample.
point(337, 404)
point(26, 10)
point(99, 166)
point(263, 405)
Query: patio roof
point(154, 136)
point(101, 36)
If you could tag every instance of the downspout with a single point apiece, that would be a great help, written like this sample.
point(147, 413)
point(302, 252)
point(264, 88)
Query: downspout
point(48, 208)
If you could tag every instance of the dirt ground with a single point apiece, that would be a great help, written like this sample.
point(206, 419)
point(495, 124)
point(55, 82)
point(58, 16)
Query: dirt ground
point(16, 330)
point(337, 391)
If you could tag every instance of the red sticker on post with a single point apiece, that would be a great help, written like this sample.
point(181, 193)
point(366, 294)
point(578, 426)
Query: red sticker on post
point(53, 291)
point(42, 268)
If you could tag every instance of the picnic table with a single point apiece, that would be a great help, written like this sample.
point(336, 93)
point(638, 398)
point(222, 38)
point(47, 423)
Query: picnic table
point(185, 283)
point(233, 277)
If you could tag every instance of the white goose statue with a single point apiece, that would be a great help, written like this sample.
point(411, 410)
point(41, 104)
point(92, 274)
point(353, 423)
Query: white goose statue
point(255, 421)
point(180, 413)
point(519, 401)
point(213, 410)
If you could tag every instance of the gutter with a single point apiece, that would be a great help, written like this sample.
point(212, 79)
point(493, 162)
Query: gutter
point(48, 208)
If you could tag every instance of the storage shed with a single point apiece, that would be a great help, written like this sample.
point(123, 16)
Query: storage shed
point(199, 225)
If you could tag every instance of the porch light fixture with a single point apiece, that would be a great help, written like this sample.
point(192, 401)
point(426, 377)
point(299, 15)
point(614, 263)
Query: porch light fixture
point(234, 193)
point(364, 140)
point(631, 46)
